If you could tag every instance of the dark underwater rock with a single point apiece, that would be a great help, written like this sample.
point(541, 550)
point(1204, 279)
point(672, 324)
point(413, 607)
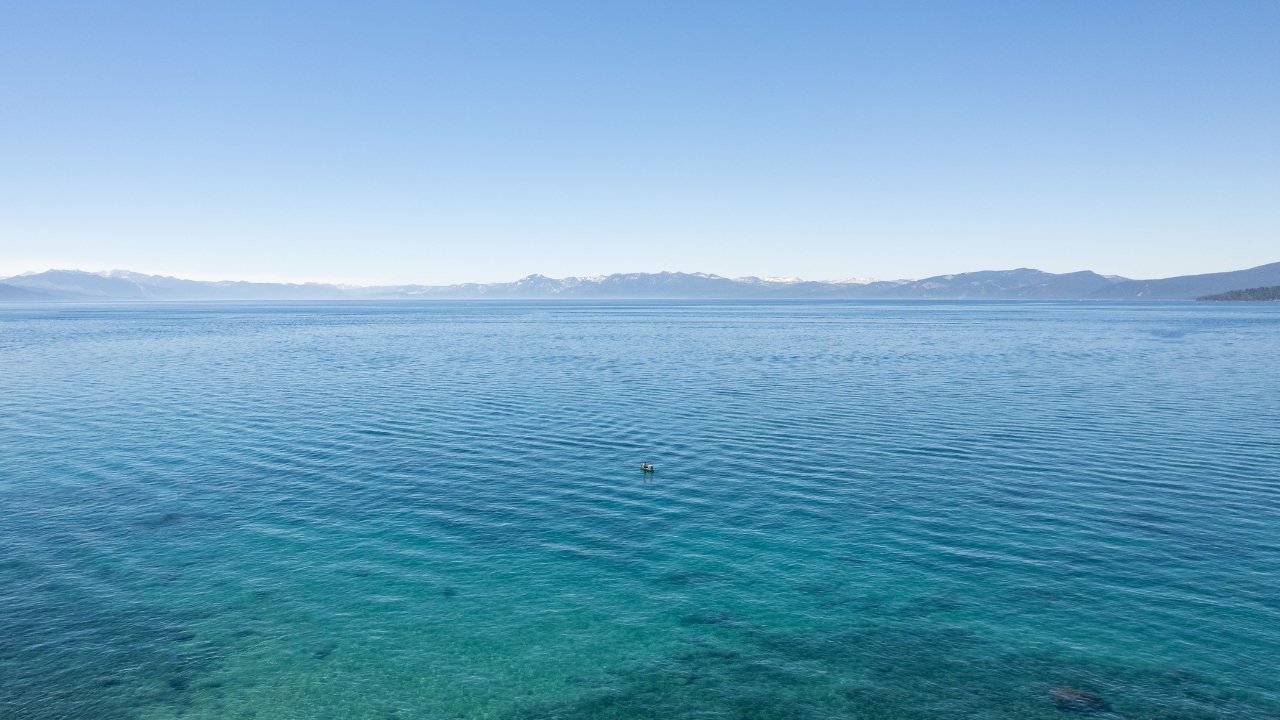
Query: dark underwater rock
point(324, 651)
point(166, 520)
point(1077, 700)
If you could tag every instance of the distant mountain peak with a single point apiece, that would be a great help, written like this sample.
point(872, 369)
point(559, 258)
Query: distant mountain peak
point(1020, 283)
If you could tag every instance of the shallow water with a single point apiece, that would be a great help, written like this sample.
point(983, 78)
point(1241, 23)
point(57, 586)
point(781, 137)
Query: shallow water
point(876, 510)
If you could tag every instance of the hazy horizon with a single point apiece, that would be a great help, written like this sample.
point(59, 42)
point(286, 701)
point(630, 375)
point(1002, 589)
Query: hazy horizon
point(285, 279)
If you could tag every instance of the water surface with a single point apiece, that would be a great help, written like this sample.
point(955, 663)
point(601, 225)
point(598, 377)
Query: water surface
point(875, 510)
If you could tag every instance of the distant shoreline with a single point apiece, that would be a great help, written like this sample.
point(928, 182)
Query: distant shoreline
point(1019, 284)
point(1258, 294)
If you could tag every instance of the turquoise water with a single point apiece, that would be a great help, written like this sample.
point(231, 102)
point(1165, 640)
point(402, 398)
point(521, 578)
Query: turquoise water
point(874, 510)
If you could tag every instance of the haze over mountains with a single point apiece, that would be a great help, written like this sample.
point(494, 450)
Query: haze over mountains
point(1021, 284)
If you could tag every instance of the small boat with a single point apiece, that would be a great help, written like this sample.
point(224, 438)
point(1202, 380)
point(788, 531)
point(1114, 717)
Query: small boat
point(647, 467)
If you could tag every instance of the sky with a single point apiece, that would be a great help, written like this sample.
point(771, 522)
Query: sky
point(448, 142)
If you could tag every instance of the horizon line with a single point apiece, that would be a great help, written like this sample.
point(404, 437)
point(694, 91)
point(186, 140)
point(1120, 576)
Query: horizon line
point(365, 283)
point(352, 283)
point(279, 279)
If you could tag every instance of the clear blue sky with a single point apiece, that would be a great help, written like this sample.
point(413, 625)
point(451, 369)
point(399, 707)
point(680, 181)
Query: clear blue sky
point(448, 142)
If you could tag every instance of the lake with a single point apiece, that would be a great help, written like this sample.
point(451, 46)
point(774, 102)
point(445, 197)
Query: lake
point(435, 510)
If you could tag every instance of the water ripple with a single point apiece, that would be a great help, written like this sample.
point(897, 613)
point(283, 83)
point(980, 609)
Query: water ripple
point(436, 510)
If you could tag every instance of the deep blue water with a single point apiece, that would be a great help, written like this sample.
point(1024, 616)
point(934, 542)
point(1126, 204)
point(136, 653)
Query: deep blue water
point(875, 510)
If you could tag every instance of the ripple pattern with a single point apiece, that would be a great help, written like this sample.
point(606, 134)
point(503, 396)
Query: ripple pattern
point(871, 510)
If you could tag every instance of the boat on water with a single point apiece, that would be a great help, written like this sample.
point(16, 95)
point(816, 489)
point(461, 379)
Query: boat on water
point(647, 467)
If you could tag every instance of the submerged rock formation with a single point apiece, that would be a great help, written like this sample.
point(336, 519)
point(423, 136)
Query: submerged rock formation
point(1077, 700)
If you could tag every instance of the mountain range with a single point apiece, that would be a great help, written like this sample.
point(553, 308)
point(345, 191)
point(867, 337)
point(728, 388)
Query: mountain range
point(1020, 284)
